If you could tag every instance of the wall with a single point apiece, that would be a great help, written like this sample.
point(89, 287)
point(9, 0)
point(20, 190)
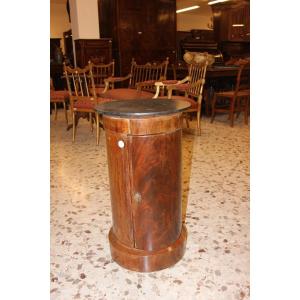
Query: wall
point(85, 21)
point(59, 20)
point(194, 19)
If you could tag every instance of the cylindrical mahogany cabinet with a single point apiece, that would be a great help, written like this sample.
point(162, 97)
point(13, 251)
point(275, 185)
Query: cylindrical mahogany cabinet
point(143, 139)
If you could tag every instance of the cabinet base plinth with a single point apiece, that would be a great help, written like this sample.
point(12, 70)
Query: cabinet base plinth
point(147, 261)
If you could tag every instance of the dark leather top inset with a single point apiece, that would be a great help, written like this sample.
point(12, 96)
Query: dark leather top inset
point(141, 108)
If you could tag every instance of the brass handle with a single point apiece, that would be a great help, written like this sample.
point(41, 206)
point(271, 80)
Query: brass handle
point(137, 198)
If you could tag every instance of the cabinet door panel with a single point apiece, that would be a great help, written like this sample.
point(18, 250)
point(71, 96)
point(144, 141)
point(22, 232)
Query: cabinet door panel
point(119, 178)
point(156, 180)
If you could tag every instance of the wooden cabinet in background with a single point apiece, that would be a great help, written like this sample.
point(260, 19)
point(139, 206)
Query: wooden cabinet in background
point(232, 28)
point(144, 30)
point(239, 16)
point(232, 21)
point(97, 49)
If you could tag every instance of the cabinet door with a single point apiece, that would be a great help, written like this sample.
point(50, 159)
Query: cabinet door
point(146, 31)
point(240, 16)
point(156, 189)
point(119, 178)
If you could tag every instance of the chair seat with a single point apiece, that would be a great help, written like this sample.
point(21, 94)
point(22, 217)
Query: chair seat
point(114, 79)
point(126, 94)
point(176, 85)
point(166, 82)
point(182, 87)
point(194, 104)
point(99, 90)
point(241, 93)
point(89, 104)
point(150, 82)
point(58, 96)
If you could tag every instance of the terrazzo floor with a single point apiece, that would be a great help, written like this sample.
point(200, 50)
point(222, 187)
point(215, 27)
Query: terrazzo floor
point(215, 199)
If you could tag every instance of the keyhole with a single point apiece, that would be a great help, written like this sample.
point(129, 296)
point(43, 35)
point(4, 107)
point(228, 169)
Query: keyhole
point(137, 197)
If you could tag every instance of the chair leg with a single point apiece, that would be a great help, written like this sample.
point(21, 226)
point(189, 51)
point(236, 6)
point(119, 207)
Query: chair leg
point(206, 107)
point(246, 110)
point(74, 126)
point(55, 111)
point(66, 112)
point(97, 129)
point(239, 105)
point(206, 100)
point(199, 116)
point(91, 122)
point(213, 104)
point(187, 120)
point(198, 122)
point(231, 112)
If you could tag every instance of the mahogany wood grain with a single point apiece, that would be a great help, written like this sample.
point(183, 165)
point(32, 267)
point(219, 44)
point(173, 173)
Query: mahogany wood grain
point(147, 261)
point(145, 126)
point(119, 182)
point(145, 184)
point(156, 179)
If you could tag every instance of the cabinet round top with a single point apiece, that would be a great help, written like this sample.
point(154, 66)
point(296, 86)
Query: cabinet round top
point(142, 108)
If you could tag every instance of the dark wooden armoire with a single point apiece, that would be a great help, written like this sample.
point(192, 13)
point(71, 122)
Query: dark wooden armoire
point(232, 27)
point(92, 49)
point(144, 30)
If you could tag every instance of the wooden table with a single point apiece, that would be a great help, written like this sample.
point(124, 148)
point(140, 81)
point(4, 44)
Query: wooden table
point(126, 94)
point(143, 140)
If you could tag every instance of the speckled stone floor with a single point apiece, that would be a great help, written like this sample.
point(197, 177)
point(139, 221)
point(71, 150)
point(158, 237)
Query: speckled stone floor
point(215, 198)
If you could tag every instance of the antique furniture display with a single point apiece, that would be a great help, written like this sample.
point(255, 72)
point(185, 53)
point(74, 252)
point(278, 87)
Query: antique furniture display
point(143, 139)
point(100, 73)
point(59, 97)
point(236, 100)
point(141, 77)
point(192, 85)
point(83, 97)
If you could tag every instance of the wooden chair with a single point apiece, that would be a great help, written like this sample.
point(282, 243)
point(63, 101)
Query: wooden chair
point(141, 77)
point(56, 97)
point(191, 86)
point(83, 97)
point(234, 101)
point(100, 72)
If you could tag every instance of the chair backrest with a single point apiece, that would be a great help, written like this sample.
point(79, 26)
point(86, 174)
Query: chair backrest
point(102, 71)
point(148, 71)
point(197, 73)
point(80, 83)
point(242, 80)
